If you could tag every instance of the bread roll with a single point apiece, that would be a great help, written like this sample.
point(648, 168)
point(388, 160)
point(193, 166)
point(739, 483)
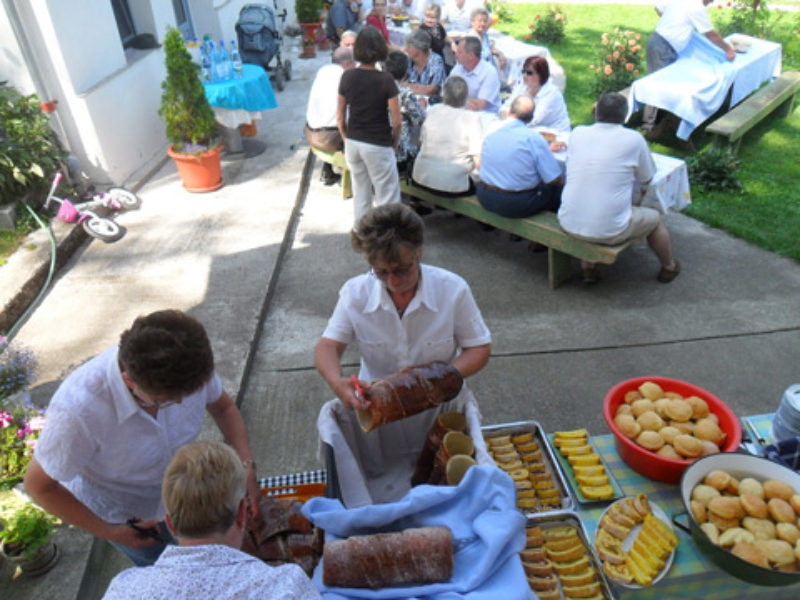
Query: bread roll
point(409, 392)
point(414, 556)
point(774, 488)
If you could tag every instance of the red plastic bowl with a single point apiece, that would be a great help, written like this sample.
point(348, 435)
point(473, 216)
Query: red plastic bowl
point(649, 463)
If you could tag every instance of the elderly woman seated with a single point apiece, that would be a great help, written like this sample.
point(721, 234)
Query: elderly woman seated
point(479, 25)
point(410, 109)
point(426, 72)
point(549, 108)
point(450, 143)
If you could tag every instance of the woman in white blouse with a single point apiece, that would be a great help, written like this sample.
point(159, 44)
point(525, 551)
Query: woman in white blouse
point(549, 108)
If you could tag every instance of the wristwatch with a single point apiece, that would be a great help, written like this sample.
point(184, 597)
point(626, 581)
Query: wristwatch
point(249, 463)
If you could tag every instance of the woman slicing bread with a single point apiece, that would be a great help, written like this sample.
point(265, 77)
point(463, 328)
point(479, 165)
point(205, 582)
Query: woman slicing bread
point(401, 313)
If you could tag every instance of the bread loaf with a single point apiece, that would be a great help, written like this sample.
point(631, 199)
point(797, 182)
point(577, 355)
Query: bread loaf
point(409, 392)
point(414, 556)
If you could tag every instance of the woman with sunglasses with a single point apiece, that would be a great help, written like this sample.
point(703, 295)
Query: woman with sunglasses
point(401, 313)
point(549, 108)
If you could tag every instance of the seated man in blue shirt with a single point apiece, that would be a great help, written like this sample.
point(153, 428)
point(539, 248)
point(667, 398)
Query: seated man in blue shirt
point(519, 175)
point(483, 82)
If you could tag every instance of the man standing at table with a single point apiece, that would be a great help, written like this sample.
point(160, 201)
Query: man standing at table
point(519, 175)
point(321, 129)
point(342, 16)
point(679, 18)
point(608, 170)
point(482, 79)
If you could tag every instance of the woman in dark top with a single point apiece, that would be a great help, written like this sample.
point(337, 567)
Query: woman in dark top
point(434, 28)
point(367, 98)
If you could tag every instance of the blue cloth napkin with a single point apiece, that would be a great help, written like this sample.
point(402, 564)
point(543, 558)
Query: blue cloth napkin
point(488, 533)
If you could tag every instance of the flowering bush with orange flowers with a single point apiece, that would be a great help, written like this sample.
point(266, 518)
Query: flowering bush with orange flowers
point(618, 61)
point(548, 28)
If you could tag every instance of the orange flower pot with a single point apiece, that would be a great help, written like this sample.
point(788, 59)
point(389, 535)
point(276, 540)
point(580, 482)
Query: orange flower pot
point(199, 172)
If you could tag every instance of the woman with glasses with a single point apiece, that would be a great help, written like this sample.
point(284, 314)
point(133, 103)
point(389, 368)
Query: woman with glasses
point(401, 313)
point(549, 108)
point(115, 422)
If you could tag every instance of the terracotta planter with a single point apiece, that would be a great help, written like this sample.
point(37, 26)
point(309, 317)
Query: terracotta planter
point(42, 560)
point(324, 44)
point(199, 172)
point(309, 35)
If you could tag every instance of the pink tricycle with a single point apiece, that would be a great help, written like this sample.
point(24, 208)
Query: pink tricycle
point(98, 226)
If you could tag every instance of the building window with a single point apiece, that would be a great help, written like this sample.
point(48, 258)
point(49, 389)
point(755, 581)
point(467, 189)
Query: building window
point(122, 13)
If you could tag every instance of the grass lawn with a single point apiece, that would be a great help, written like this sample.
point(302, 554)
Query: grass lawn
point(767, 212)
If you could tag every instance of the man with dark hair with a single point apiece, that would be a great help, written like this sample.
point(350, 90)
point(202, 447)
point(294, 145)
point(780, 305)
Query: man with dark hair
point(519, 175)
point(115, 422)
point(608, 170)
point(321, 129)
point(481, 77)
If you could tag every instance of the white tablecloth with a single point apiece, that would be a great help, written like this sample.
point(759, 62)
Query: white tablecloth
point(515, 52)
point(695, 86)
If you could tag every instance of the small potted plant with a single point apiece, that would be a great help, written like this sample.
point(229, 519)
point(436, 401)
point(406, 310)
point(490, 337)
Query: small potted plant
point(308, 17)
point(192, 128)
point(26, 540)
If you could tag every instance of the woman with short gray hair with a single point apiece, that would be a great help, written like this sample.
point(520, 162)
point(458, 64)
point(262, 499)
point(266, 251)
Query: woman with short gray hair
point(450, 143)
point(426, 72)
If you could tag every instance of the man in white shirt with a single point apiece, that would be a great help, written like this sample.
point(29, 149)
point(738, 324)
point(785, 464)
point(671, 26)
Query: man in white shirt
point(482, 79)
point(321, 129)
point(456, 13)
point(679, 18)
point(114, 424)
point(608, 170)
point(203, 492)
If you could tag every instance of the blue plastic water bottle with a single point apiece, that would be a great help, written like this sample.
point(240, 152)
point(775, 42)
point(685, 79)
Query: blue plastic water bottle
point(236, 59)
point(226, 68)
point(205, 64)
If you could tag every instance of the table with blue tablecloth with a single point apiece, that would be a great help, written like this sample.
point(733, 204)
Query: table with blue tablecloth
point(692, 576)
point(695, 86)
point(240, 101)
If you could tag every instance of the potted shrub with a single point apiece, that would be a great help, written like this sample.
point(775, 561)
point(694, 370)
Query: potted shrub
point(308, 17)
point(29, 152)
point(26, 540)
point(192, 128)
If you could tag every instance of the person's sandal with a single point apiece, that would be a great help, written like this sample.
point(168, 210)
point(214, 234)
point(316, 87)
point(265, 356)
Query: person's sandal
point(666, 275)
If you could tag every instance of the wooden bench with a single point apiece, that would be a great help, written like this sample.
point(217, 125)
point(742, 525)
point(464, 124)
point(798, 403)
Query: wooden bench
point(337, 160)
point(542, 228)
point(731, 127)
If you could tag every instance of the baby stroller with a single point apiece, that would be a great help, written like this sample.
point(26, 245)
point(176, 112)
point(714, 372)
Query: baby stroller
point(260, 40)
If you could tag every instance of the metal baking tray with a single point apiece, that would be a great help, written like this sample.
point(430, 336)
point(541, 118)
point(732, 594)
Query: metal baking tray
point(568, 517)
point(518, 427)
point(569, 474)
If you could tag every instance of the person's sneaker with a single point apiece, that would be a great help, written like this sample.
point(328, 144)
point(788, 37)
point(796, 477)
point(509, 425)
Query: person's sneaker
point(420, 208)
point(666, 275)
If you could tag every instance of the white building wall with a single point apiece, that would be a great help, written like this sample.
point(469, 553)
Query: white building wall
point(108, 98)
point(12, 66)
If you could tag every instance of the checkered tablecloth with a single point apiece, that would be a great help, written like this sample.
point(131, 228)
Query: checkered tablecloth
point(692, 576)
